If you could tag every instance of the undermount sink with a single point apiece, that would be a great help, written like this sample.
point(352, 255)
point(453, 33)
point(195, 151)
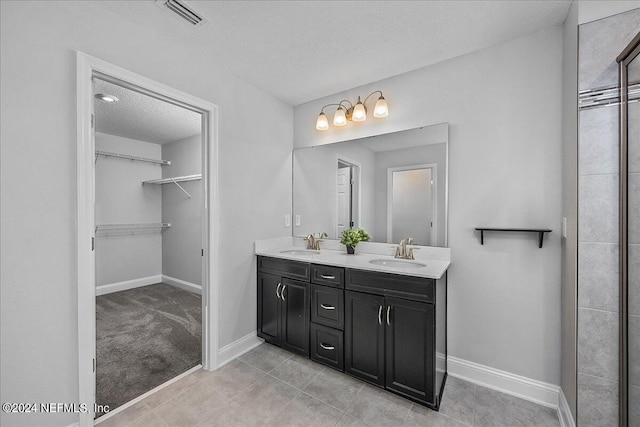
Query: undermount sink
point(397, 263)
point(300, 252)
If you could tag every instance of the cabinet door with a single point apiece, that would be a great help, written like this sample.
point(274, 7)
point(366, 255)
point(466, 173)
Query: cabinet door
point(269, 287)
point(410, 348)
point(295, 317)
point(364, 336)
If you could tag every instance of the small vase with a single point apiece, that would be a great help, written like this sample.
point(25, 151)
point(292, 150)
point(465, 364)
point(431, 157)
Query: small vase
point(351, 249)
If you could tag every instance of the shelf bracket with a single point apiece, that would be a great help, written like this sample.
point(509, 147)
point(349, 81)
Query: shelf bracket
point(180, 187)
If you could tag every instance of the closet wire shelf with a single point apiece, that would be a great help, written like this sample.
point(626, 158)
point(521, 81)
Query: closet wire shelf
point(130, 157)
point(132, 226)
point(175, 180)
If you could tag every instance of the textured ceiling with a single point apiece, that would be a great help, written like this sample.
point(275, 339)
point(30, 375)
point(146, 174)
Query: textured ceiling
point(142, 117)
point(303, 50)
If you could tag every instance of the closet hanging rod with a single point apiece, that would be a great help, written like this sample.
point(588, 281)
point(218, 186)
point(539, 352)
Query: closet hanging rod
point(130, 157)
point(128, 226)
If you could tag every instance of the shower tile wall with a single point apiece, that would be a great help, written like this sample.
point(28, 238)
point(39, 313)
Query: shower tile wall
point(600, 42)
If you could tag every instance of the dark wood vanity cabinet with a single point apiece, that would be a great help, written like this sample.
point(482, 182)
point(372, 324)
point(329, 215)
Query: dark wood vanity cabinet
point(386, 329)
point(283, 304)
point(394, 334)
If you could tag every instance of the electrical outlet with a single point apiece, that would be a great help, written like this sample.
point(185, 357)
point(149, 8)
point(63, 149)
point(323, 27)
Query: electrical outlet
point(297, 220)
point(287, 220)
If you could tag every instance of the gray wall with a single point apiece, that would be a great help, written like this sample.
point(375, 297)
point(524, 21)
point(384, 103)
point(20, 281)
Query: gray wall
point(182, 243)
point(568, 381)
point(120, 198)
point(435, 153)
point(38, 308)
point(600, 42)
point(504, 170)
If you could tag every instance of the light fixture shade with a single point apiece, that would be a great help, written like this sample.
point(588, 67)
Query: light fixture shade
point(322, 123)
point(359, 112)
point(340, 119)
point(381, 109)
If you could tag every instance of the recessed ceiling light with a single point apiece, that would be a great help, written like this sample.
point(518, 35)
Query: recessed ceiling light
point(106, 97)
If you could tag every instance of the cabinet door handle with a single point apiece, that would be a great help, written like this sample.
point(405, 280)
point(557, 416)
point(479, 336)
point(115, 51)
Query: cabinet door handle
point(278, 290)
point(327, 307)
point(380, 315)
point(327, 277)
point(283, 289)
point(327, 347)
point(388, 311)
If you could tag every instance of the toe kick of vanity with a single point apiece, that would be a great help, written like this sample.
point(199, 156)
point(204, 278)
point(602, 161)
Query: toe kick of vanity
point(386, 329)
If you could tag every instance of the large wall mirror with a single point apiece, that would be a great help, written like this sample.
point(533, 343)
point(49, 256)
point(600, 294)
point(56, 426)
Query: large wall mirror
point(392, 185)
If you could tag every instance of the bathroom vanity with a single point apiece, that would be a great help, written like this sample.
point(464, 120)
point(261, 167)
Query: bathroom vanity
point(375, 318)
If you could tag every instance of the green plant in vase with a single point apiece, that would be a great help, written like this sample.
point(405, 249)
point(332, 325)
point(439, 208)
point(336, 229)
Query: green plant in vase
point(351, 238)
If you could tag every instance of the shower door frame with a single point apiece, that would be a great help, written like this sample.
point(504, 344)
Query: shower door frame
point(629, 54)
point(89, 67)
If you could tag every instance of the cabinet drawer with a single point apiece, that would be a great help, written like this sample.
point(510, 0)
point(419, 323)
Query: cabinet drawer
point(409, 287)
point(326, 346)
point(327, 275)
point(284, 267)
point(327, 306)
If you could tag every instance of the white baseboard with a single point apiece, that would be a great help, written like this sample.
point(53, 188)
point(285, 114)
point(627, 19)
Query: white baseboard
point(237, 348)
point(525, 388)
point(564, 412)
point(182, 284)
point(76, 424)
point(128, 284)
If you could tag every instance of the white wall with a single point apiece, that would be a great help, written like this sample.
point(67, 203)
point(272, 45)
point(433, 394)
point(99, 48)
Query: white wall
point(570, 206)
point(182, 242)
point(503, 105)
point(38, 42)
point(597, 9)
point(120, 198)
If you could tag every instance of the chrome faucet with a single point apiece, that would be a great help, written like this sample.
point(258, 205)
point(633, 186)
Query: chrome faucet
point(314, 240)
point(403, 252)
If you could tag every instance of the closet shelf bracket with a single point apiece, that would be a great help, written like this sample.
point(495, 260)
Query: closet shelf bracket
point(182, 188)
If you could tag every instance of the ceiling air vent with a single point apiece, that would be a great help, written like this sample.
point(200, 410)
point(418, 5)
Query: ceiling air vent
point(183, 10)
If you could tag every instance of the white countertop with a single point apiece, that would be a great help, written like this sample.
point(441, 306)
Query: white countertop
point(434, 269)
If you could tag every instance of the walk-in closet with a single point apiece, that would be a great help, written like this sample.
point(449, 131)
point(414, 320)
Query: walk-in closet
point(148, 242)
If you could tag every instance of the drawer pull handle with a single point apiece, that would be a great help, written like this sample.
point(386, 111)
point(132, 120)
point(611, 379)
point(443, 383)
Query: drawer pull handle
point(388, 310)
point(327, 307)
point(380, 315)
point(327, 347)
point(278, 290)
point(327, 277)
point(283, 289)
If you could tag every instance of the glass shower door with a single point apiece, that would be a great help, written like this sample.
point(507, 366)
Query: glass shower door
point(630, 234)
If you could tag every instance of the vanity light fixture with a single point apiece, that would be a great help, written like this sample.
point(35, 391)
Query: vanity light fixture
point(106, 97)
point(356, 113)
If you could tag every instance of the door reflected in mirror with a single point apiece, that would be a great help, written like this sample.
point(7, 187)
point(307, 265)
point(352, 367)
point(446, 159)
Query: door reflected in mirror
point(393, 185)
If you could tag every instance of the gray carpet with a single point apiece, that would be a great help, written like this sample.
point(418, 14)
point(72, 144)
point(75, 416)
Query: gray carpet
point(144, 337)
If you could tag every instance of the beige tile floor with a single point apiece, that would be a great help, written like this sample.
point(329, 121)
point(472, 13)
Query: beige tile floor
point(271, 387)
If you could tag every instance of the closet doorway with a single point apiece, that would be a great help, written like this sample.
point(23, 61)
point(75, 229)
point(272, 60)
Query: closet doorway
point(148, 247)
point(146, 200)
